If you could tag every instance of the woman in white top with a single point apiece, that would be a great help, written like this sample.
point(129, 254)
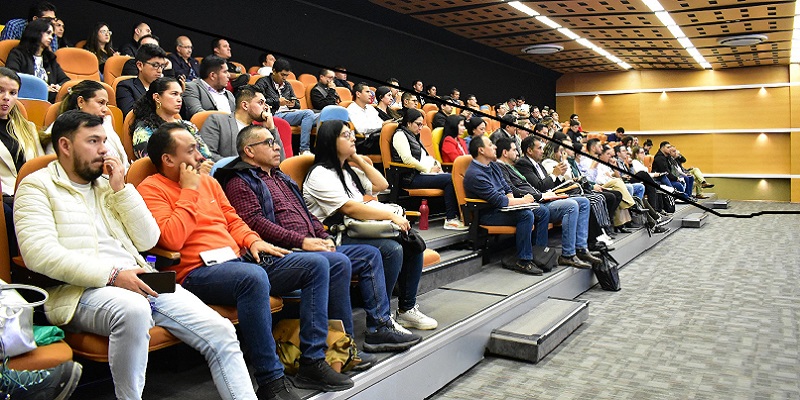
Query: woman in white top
point(427, 173)
point(333, 188)
point(91, 97)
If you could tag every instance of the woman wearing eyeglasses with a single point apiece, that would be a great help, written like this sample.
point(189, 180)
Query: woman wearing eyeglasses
point(427, 172)
point(33, 56)
point(334, 188)
point(99, 44)
point(161, 104)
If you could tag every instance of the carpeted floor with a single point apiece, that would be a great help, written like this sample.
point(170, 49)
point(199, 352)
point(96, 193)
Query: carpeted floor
point(709, 313)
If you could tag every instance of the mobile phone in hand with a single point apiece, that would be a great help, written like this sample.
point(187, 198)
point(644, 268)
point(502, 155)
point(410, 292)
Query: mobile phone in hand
point(160, 282)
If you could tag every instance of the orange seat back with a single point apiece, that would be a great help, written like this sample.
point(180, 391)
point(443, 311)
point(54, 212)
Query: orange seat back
point(140, 170)
point(113, 68)
point(5, 47)
point(200, 118)
point(78, 63)
point(307, 79)
point(36, 111)
point(297, 168)
point(300, 93)
point(344, 93)
point(460, 166)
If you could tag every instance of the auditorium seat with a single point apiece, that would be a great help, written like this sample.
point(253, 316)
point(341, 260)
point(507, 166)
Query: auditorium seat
point(32, 87)
point(127, 136)
point(112, 96)
point(36, 111)
point(112, 69)
point(5, 48)
point(116, 82)
point(300, 93)
point(253, 70)
point(308, 80)
point(240, 66)
point(344, 93)
point(200, 118)
point(648, 162)
point(78, 63)
point(429, 117)
point(285, 131)
point(429, 107)
point(80, 44)
point(254, 79)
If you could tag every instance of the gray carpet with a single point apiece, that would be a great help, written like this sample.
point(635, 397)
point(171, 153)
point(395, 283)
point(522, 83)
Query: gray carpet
point(709, 313)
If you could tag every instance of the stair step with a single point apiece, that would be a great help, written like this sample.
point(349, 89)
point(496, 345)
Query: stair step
point(694, 220)
point(718, 203)
point(538, 332)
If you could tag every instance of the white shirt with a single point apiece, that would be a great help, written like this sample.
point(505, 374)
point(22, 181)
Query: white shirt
point(108, 248)
point(364, 119)
point(325, 195)
point(638, 166)
point(219, 98)
point(113, 143)
point(265, 71)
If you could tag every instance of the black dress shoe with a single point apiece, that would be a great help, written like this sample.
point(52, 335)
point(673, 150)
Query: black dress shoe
point(706, 185)
point(661, 229)
point(573, 261)
point(588, 257)
point(620, 229)
point(524, 266)
point(318, 375)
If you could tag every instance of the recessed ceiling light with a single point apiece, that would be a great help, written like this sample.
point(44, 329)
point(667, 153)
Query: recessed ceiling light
point(543, 49)
point(742, 40)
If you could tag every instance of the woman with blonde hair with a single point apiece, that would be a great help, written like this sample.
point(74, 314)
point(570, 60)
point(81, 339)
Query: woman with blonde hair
point(20, 140)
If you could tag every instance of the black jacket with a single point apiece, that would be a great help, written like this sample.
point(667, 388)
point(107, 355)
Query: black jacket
point(267, 86)
point(128, 91)
point(519, 186)
point(439, 120)
point(525, 166)
point(322, 96)
point(662, 164)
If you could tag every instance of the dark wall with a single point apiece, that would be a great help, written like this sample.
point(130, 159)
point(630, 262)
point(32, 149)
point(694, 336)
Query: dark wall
point(366, 38)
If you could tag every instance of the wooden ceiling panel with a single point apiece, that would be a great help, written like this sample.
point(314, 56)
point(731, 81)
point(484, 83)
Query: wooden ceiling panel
point(625, 28)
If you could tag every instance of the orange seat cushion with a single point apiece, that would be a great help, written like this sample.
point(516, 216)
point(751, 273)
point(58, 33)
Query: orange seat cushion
point(425, 192)
point(42, 357)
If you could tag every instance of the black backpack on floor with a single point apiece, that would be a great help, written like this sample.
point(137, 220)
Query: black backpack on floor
point(607, 272)
point(545, 258)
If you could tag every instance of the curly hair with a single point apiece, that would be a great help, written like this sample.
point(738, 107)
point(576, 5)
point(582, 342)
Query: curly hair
point(145, 108)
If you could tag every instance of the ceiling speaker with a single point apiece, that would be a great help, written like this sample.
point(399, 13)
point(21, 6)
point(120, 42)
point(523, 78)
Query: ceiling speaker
point(543, 49)
point(742, 40)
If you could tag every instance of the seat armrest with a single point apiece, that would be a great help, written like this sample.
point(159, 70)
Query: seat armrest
point(164, 258)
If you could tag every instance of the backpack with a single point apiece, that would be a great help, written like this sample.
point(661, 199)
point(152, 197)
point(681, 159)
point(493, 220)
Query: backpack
point(545, 258)
point(607, 272)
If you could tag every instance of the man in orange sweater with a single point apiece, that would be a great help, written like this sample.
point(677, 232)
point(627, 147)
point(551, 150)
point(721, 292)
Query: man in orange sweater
point(195, 217)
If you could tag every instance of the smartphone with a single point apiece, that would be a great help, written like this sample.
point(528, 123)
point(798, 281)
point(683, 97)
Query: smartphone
point(160, 282)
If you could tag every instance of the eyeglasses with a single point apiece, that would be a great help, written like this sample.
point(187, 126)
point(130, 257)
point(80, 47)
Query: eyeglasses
point(347, 134)
point(186, 47)
point(157, 65)
point(103, 32)
point(419, 124)
point(270, 142)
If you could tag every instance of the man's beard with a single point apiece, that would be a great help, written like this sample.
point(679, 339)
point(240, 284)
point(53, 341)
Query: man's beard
point(85, 171)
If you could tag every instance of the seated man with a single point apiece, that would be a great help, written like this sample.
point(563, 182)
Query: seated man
point(183, 64)
point(151, 61)
point(324, 92)
point(220, 130)
point(572, 212)
point(281, 98)
point(507, 131)
point(484, 180)
point(693, 172)
point(273, 206)
point(365, 119)
point(139, 29)
point(663, 162)
point(340, 78)
point(14, 27)
point(195, 217)
point(208, 93)
point(222, 49)
point(93, 229)
point(445, 109)
point(408, 100)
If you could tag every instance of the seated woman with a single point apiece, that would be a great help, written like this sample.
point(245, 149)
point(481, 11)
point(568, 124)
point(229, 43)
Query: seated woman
point(333, 186)
point(452, 144)
point(33, 56)
point(383, 96)
point(19, 142)
point(427, 174)
point(161, 104)
point(99, 44)
point(91, 97)
point(476, 126)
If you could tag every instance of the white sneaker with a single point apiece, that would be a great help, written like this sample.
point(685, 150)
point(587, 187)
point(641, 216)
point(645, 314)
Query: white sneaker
point(399, 327)
point(304, 152)
point(455, 224)
point(605, 239)
point(414, 318)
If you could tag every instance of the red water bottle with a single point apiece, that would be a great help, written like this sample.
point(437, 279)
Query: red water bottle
point(423, 215)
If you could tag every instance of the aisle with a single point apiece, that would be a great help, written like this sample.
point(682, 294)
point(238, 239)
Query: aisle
point(709, 313)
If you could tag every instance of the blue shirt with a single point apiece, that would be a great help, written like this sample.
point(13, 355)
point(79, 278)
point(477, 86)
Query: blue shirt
point(14, 28)
point(486, 182)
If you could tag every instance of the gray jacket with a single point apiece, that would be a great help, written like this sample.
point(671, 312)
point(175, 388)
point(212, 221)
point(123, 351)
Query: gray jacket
point(220, 132)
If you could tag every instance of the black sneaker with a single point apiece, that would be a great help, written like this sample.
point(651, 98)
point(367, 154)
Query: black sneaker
point(368, 360)
point(386, 338)
point(45, 384)
point(524, 266)
point(318, 375)
point(279, 389)
point(661, 229)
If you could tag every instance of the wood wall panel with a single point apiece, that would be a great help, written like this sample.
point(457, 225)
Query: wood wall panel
point(752, 189)
point(606, 113)
point(656, 79)
point(598, 81)
point(675, 111)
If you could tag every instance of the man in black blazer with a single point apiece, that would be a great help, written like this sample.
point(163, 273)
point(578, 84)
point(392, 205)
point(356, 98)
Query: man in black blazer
point(150, 61)
point(445, 109)
point(209, 93)
point(534, 172)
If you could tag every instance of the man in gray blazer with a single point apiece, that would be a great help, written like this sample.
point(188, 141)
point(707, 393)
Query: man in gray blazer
point(220, 130)
point(208, 93)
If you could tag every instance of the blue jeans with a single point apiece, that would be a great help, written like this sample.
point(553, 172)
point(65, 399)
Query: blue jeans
point(306, 119)
point(524, 221)
point(442, 181)
point(126, 317)
point(368, 268)
point(574, 216)
point(635, 189)
point(246, 286)
point(324, 282)
point(399, 267)
point(689, 185)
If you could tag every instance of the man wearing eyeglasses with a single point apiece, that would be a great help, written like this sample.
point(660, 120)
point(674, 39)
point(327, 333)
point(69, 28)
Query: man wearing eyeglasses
point(220, 130)
point(182, 61)
point(271, 204)
point(151, 61)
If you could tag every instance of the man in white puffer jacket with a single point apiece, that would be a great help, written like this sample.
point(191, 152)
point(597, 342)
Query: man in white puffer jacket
point(77, 226)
